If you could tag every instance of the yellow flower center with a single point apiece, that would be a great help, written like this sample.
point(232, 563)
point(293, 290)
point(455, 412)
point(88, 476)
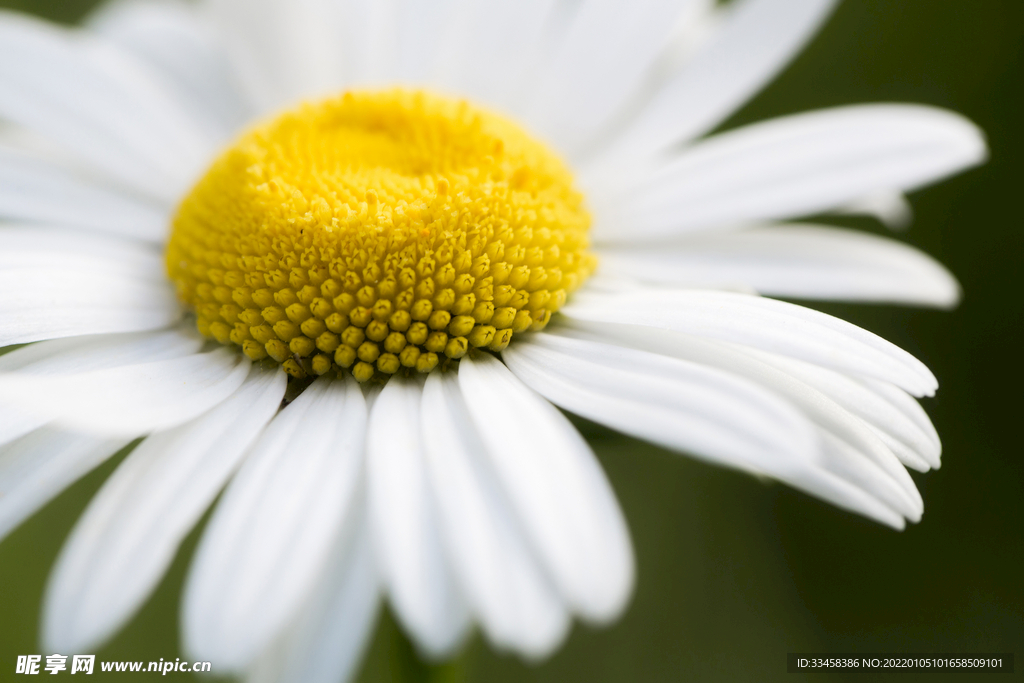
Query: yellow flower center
point(377, 231)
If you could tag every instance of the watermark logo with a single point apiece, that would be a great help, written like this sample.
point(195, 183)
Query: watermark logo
point(32, 665)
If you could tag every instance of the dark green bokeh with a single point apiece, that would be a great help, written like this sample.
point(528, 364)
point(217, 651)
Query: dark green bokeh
point(734, 573)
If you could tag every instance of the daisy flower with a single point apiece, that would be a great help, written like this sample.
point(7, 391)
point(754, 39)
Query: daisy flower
point(342, 259)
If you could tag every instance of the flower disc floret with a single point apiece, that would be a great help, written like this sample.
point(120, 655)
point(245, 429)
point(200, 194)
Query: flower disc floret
point(377, 231)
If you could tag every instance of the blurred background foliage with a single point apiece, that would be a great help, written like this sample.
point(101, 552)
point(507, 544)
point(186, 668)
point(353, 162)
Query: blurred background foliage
point(734, 573)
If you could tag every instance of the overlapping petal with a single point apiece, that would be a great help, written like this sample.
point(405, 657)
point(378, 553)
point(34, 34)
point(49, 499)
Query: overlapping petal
point(795, 261)
point(271, 535)
point(128, 535)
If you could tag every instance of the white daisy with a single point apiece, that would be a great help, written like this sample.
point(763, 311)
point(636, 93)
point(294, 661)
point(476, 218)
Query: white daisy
point(398, 235)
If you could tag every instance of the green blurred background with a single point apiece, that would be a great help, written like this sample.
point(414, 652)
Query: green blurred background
point(734, 573)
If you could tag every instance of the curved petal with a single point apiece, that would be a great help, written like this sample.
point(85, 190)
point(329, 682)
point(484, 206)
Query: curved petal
point(98, 101)
point(490, 65)
point(424, 30)
point(270, 536)
point(80, 354)
point(802, 262)
point(38, 190)
point(792, 166)
point(560, 494)
point(31, 247)
point(684, 406)
point(173, 39)
point(515, 602)
point(130, 532)
point(916, 444)
point(601, 63)
point(282, 52)
point(326, 642)
point(858, 455)
point(38, 466)
point(756, 40)
point(129, 400)
point(403, 518)
point(765, 324)
point(97, 352)
point(46, 302)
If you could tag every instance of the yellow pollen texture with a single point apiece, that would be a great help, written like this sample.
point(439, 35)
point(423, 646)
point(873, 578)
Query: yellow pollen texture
point(377, 231)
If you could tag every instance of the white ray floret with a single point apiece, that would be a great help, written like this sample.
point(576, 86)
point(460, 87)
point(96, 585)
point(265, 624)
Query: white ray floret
point(414, 566)
point(129, 534)
point(508, 591)
point(271, 536)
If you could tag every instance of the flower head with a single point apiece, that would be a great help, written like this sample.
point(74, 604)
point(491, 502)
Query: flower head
point(360, 318)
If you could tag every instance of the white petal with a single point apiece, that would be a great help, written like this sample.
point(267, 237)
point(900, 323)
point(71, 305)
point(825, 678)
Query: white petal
point(765, 324)
point(916, 444)
point(803, 262)
point(171, 37)
point(423, 29)
point(127, 537)
point(79, 354)
point(96, 352)
point(42, 191)
point(271, 535)
point(99, 102)
point(865, 460)
point(685, 406)
point(283, 52)
point(890, 207)
point(792, 166)
point(37, 467)
point(490, 64)
point(600, 65)
point(515, 602)
point(371, 41)
point(45, 303)
point(30, 247)
point(59, 283)
point(680, 405)
point(132, 399)
point(562, 498)
point(403, 519)
point(756, 39)
point(326, 642)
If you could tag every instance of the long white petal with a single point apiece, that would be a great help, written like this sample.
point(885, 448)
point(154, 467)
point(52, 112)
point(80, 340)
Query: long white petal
point(685, 406)
point(756, 39)
point(58, 282)
point(96, 352)
point(792, 166)
point(803, 262)
point(100, 102)
point(36, 246)
point(559, 492)
point(80, 354)
point(865, 460)
point(764, 324)
point(404, 522)
point(515, 602)
point(916, 444)
point(270, 537)
point(283, 52)
point(131, 399)
point(908, 405)
point(326, 642)
point(172, 37)
point(489, 65)
point(600, 65)
point(423, 30)
point(42, 191)
point(37, 467)
point(130, 532)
